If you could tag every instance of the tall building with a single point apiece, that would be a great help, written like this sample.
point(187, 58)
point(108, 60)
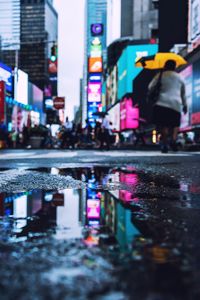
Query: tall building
point(139, 19)
point(32, 27)
point(95, 55)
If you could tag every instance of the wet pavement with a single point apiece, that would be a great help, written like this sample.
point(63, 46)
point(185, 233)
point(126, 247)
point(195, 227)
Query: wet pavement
point(119, 230)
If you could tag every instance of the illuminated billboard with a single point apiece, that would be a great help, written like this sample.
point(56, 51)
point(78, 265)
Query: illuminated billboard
point(129, 115)
point(6, 76)
point(97, 29)
point(95, 65)
point(196, 94)
point(95, 51)
point(94, 92)
point(127, 71)
point(194, 23)
point(93, 208)
point(21, 87)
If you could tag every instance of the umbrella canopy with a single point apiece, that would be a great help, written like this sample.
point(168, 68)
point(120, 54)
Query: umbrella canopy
point(158, 60)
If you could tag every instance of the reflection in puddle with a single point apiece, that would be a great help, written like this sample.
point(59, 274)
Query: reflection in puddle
point(66, 213)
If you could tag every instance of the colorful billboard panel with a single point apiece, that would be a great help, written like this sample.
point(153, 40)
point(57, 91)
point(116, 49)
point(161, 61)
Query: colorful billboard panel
point(95, 51)
point(127, 71)
point(95, 65)
point(196, 94)
point(129, 115)
point(194, 24)
point(93, 208)
point(94, 92)
point(2, 100)
point(6, 76)
point(186, 118)
point(21, 86)
point(114, 117)
point(97, 29)
point(95, 77)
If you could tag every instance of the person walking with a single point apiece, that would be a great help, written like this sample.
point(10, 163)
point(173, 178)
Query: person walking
point(169, 105)
point(105, 133)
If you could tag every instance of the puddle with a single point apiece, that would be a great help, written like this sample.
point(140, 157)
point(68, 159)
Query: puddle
point(144, 224)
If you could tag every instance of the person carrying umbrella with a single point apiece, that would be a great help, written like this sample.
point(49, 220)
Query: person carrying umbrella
point(170, 102)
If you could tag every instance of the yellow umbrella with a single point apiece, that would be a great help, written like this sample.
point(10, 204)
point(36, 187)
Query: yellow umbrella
point(158, 60)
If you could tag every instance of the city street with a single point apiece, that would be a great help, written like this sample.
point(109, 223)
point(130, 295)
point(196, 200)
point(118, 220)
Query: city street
point(99, 224)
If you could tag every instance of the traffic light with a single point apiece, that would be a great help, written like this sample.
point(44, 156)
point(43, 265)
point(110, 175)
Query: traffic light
point(53, 56)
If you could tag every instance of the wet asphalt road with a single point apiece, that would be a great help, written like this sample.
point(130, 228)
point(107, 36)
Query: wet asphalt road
point(99, 225)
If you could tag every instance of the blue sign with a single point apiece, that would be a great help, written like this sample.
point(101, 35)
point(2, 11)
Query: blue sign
point(127, 71)
point(6, 76)
point(95, 77)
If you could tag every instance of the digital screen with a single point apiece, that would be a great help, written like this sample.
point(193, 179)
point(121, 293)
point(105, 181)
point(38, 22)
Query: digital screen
point(48, 103)
point(6, 76)
point(95, 65)
point(94, 92)
point(129, 115)
point(97, 29)
point(21, 87)
point(127, 71)
point(93, 208)
point(95, 51)
point(94, 78)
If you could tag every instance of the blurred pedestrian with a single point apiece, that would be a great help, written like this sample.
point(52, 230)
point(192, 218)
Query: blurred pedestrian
point(105, 133)
point(170, 102)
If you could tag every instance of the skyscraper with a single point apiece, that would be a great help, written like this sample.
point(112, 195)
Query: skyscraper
point(95, 52)
point(32, 27)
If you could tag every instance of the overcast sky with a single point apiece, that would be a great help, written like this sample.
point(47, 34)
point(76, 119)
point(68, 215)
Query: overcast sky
point(70, 51)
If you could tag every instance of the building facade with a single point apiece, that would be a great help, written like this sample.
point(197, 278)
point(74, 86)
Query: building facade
point(31, 28)
point(139, 19)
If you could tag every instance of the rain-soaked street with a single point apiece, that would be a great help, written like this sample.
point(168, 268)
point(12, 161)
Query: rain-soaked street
point(99, 225)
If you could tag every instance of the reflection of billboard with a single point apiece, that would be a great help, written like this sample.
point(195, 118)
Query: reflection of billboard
point(130, 179)
point(94, 92)
point(95, 65)
point(93, 208)
point(187, 76)
point(196, 94)
point(194, 24)
point(126, 69)
point(112, 87)
point(129, 115)
point(114, 117)
point(6, 76)
point(21, 87)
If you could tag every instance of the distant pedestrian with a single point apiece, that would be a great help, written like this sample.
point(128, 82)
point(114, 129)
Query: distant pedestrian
point(171, 100)
point(105, 133)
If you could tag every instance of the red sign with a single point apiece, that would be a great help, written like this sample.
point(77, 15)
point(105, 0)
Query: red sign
point(59, 102)
point(2, 100)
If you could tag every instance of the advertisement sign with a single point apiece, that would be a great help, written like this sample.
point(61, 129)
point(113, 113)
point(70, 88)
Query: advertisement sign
point(97, 29)
point(194, 24)
point(95, 78)
point(93, 208)
point(129, 115)
point(111, 89)
point(2, 100)
point(95, 65)
point(127, 71)
point(94, 92)
point(196, 94)
point(21, 86)
point(37, 97)
point(114, 117)
point(6, 76)
point(95, 51)
point(187, 76)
